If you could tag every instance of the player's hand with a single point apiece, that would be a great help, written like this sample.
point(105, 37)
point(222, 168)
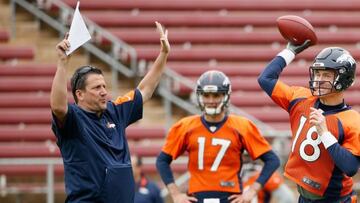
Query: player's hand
point(183, 198)
point(165, 45)
point(61, 47)
point(296, 49)
point(249, 195)
point(318, 120)
point(236, 198)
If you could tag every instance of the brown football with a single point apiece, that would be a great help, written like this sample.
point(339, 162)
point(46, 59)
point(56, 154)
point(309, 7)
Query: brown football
point(296, 29)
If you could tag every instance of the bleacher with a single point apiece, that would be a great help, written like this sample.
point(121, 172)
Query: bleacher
point(237, 37)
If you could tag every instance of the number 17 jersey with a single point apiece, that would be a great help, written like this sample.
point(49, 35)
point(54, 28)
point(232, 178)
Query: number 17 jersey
point(215, 157)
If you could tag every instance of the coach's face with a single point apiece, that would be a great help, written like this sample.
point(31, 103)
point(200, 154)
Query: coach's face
point(94, 97)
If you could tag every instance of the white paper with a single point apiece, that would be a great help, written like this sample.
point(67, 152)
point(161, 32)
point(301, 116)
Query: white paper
point(212, 200)
point(78, 34)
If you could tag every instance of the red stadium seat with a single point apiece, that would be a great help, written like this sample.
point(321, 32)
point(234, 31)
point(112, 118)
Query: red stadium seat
point(228, 53)
point(28, 150)
point(226, 36)
point(43, 132)
point(251, 84)
point(259, 99)
point(27, 170)
point(247, 5)
point(4, 36)
point(49, 149)
point(25, 115)
point(240, 69)
point(214, 18)
point(16, 52)
point(26, 133)
point(25, 83)
point(243, 69)
point(31, 69)
point(24, 99)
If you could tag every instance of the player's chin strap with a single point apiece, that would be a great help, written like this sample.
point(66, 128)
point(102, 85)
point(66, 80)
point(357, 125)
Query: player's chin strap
point(213, 111)
point(217, 110)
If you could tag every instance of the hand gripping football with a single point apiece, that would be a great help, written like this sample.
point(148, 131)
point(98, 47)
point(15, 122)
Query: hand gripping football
point(296, 29)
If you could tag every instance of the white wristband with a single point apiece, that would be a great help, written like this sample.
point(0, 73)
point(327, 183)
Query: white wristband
point(328, 139)
point(287, 55)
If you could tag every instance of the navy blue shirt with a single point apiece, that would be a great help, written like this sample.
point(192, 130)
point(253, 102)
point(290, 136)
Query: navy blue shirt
point(147, 192)
point(95, 151)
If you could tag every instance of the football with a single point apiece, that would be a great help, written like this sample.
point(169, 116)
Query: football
point(296, 29)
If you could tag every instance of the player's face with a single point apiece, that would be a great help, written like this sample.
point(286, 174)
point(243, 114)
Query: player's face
point(212, 100)
point(94, 97)
point(323, 81)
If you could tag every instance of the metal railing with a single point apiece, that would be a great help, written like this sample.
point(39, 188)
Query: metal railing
point(49, 162)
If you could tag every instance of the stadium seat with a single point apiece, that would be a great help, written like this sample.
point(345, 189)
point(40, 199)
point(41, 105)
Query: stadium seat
point(24, 99)
point(245, 5)
point(252, 99)
point(28, 69)
point(24, 83)
point(42, 132)
point(49, 149)
point(214, 18)
point(226, 36)
point(244, 69)
point(27, 170)
point(4, 36)
point(251, 84)
point(8, 52)
point(25, 115)
point(249, 53)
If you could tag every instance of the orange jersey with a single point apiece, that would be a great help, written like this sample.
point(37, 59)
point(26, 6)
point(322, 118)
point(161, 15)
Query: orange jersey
point(215, 157)
point(309, 164)
point(272, 184)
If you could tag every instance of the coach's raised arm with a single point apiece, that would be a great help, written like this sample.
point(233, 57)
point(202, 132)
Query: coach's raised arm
point(91, 132)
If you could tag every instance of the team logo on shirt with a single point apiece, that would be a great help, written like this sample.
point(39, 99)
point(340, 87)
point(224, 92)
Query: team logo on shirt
point(227, 184)
point(110, 125)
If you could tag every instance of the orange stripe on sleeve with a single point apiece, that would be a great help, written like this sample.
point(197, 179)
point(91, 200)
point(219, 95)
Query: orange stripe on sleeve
point(127, 97)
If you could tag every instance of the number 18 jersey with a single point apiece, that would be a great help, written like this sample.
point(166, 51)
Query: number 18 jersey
point(309, 164)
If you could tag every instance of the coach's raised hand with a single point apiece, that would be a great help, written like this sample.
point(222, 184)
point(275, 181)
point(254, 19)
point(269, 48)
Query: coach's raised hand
point(153, 76)
point(165, 45)
point(61, 47)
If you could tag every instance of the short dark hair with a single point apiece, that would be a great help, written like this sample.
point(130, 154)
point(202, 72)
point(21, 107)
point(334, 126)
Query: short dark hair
point(79, 77)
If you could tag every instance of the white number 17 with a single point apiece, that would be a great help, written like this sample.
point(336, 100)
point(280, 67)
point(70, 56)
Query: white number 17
point(214, 141)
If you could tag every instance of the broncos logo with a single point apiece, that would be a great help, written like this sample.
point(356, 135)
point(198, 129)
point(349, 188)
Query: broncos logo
point(346, 58)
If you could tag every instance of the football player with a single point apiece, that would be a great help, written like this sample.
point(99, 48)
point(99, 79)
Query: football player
point(215, 142)
point(274, 190)
point(325, 130)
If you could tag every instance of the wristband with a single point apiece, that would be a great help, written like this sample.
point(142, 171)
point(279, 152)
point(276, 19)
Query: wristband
point(328, 139)
point(287, 55)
